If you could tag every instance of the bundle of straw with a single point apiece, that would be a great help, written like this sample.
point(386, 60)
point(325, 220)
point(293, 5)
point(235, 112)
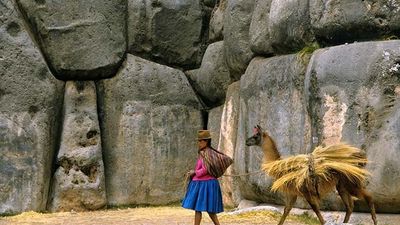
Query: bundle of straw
point(323, 166)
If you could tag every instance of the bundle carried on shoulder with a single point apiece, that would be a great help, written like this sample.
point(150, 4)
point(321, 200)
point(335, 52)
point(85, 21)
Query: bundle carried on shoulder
point(216, 162)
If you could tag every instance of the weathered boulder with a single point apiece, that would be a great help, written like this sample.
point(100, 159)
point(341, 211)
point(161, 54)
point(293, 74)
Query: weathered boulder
point(80, 39)
point(353, 93)
point(30, 103)
point(149, 117)
point(79, 182)
point(237, 19)
point(216, 26)
point(339, 21)
point(260, 42)
point(212, 79)
point(169, 32)
point(271, 95)
point(289, 25)
point(227, 142)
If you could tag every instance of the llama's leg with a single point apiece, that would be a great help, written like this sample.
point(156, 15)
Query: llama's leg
point(347, 201)
point(290, 200)
point(368, 198)
point(314, 203)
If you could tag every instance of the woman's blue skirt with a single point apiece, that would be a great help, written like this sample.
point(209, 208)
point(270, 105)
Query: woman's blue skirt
point(204, 196)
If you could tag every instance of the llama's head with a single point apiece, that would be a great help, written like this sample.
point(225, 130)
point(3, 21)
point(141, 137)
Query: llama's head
point(256, 139)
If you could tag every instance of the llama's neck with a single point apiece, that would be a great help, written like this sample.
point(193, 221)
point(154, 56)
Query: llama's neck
point(269, 148)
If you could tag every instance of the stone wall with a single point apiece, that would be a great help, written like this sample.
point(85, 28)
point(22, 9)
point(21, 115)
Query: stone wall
point(100, 101)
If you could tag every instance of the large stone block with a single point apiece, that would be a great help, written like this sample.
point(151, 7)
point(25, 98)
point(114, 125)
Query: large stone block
point(169, 32)
point(149, 121)
point(289, 25)
point(341, 21)
point(271, 95)
point(212, 79)
point(30, 103)
point(217, 23)
point(260, 41)
point(227, 142)
point(237, 19)
point(80, 39)
point(353, 95)
point(79, 182)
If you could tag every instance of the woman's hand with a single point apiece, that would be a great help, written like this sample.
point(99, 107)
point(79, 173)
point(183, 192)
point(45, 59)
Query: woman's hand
point(191, 173)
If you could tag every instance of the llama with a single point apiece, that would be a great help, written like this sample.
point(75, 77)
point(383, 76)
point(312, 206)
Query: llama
point(314, 175)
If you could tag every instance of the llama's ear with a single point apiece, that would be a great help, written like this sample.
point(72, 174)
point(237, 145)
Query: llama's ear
point(255, 131)
point(259, 128)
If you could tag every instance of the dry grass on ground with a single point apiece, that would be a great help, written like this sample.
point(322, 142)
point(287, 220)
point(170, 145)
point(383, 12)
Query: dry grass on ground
point(173, 215)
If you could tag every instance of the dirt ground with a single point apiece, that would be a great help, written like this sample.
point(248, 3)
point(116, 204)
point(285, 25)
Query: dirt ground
point(142, 216)
point(175, 215)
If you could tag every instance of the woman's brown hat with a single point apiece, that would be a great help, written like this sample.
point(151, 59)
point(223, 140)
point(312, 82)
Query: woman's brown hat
point(203, 135)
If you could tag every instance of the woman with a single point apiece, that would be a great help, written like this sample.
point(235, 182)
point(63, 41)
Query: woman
point(203, 192)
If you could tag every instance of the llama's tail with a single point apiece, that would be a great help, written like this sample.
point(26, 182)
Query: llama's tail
point(322, 166)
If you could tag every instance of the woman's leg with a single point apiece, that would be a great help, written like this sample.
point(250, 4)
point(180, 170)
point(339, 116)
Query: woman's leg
point(214, 218)
point(197, 218)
